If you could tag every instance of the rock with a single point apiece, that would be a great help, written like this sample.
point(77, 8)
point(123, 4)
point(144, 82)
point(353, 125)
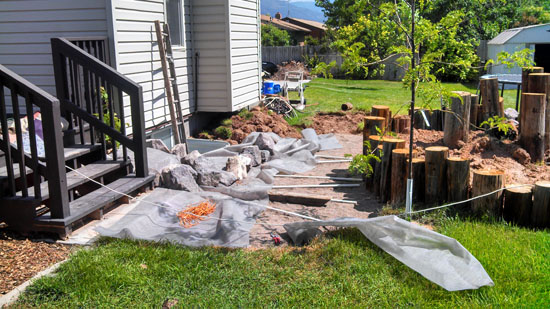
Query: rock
point(237, 166)
point(265, 142)
point(180, 177)
point(511, 113)
point(522, 156)
point(265, 155)
point(253, 152)
point(180, 151)
point(212, 178)
point(190, 158)
point(156, 143)
point(238, 135)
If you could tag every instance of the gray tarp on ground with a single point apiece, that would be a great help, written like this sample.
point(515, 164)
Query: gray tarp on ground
point(438, 258)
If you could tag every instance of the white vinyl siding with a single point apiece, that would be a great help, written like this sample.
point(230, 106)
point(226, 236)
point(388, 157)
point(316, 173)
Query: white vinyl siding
point(26, 27)
point(138, 58)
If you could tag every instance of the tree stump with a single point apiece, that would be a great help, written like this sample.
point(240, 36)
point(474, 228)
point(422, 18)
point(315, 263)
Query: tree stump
point(540, 214)
point(486, 181)
point(518, 204)
point(489, 98)
point(389, 144)
point(540, 83)
point(525, 87)
point(436, 174)
point(458, 178)
point(399, 175)
point(437, 117)
point(419, 181)
point(532, 134)
point(474, 108)
point(457, 120)
point(382, 111)
point(371, 123)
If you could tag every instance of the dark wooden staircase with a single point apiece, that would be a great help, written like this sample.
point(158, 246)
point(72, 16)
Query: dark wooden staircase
point(84, 167)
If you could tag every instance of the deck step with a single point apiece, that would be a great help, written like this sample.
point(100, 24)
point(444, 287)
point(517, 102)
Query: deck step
point(99, 198)
point(75, 179)
point(76, 151)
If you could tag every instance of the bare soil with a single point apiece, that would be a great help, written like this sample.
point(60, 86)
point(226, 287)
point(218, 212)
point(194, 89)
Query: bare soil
point(21, 258)
point(260, 121)
point(339, 122)
point(290, 66)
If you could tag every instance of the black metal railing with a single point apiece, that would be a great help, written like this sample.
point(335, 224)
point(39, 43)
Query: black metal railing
point(95, 99)
point(33, 147)
point(95, 46)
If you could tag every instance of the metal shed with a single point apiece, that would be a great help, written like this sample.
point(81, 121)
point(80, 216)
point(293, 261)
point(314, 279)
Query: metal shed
point(536, 37)
point(218, 40)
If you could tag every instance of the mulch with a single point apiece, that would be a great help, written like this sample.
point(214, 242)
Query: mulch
point(22, 258)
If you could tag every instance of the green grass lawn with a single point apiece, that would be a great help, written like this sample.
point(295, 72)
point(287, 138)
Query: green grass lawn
point(340, 269)
point(330, 94)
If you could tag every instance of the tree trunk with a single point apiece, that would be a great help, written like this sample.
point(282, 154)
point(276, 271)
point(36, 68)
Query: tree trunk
point(436, 174)
point(486, 181)
point(458, 178)
point(540, 215)
point(389, 144)
point(474, 108)
point(457, 120)
point(382, 111)
point(419, 181)
point(532, 133)
point(399, 175)
point(540, 83)
point(489, 98)
point(518, 204)
point(525, 87)
point(371, 123)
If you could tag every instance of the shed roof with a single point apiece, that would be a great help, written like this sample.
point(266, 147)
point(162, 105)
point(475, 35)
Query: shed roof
point(508, 34)
point(282, 24)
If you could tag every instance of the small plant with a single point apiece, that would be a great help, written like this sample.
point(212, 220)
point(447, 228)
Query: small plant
point(500, 123)
point(205, 135)
point(360, 127)
point(227, 122)
point(246, 114)
point(361, 164)
point(223, 132)
point(107, 117)
point(323, 69)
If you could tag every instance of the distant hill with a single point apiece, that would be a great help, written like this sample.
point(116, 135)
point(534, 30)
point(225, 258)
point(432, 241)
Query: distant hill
point(298, 9)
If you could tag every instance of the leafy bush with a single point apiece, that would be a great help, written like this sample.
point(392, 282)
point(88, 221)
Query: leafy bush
point(361, 164)
point(499, 123)
point(227, 122)
point(245, 114)
point(223, 132)
point(273, 36)
point(323, 69)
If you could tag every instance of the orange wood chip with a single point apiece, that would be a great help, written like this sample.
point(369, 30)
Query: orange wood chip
point(191, 215)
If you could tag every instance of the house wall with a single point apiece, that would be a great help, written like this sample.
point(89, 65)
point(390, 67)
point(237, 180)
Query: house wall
point(138, 58)
point(26, 27)
point(245, 52)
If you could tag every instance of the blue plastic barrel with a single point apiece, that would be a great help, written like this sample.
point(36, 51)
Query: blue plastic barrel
point(270, 87)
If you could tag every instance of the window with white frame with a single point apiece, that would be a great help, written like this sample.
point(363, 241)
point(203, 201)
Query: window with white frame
point(174, 19)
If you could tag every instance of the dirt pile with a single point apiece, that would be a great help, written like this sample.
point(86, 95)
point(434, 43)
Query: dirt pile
point(260, 120)
point(290, 66)
point(487, 153)
point(338, 122)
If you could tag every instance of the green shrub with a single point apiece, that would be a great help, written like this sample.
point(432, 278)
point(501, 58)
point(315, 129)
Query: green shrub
point(246, 114)
point(227, 122)
point(360, 127)
point(223, 132)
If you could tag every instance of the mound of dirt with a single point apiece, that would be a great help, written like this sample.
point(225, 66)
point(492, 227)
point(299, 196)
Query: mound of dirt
point(487, 153)
point(259, 120)
point(290, 66)
point(339, 122)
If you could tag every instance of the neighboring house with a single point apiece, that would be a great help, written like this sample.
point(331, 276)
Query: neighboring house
point(217, 39)
point(297, 33)
point(536, 37)
point(317, 29)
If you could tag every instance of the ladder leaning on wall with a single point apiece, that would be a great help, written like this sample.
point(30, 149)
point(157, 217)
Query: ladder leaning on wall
point(170, 82)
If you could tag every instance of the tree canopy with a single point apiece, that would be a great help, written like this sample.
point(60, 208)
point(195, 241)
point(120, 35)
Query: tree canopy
point(273, 36)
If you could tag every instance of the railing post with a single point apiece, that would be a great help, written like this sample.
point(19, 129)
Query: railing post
point(61, 90)
point(138, 132)
point(55, 161)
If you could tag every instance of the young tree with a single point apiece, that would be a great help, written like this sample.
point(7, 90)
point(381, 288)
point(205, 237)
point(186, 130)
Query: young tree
point(273, 36)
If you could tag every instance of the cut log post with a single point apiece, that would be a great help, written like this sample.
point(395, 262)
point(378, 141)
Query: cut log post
point(371, 123)
point(382, 111)
point(532, 134)
point(419, 122)
point(347, 106)
point(518, 204)
point(525, 86)
point(369, 180)
point(419, 181)
point(486, 181)
point(457, 120)
point(436, 174)
point(490, 98)
point(540, 83)
point(405, 124)
point(458, 179)
point(395, 121)
point(437, 119)
point(399, 176)
point(474, 108)
point(540, 214)
point(377, 172)
point(389, 144)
